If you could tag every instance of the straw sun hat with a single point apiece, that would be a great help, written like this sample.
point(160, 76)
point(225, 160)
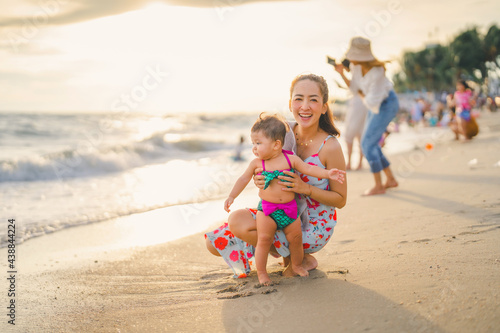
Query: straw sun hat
point(360, 50)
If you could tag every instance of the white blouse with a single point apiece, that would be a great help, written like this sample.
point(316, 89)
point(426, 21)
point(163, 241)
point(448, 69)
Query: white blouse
point(374, 85)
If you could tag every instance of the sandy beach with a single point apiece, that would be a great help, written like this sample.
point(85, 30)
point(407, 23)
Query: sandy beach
point(425, 257)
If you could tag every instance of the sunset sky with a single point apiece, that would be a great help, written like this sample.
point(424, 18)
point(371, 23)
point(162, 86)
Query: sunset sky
point(200, 55)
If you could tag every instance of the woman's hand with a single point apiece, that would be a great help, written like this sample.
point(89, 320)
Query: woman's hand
point(296, 184)
point(339, 68)
point(258, 179)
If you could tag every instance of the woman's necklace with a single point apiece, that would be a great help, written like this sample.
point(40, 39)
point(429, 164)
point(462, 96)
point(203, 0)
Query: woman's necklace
point(302, 143)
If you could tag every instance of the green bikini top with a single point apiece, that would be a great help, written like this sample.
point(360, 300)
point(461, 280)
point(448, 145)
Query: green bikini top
point(270, 175)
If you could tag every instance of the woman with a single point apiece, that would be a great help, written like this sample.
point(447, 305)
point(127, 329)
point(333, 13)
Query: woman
point(354, 122)
point(368, 76)
point(312, 138)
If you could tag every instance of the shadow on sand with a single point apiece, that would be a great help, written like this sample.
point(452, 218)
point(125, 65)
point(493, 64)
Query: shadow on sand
point(319, 304)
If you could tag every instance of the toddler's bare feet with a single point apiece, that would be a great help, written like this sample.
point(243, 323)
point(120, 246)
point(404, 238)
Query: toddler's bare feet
point(300, 270)
point(264, 278)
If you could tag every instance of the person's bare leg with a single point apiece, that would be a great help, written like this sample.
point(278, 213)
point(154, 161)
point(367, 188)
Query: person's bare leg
point(211, 248)
point(293, 233)
point(464, 130)
point(349, 153)
point(462, 127)
point(379, 188)
point(454, 127)
point(360, 165)
point(391, 180)
point(266, 228)
point(243, 225)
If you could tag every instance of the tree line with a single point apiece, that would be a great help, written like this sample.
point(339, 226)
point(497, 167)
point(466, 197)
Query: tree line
point(471, 55)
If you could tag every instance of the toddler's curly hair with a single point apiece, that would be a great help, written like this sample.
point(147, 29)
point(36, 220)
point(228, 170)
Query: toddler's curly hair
point(273, 126)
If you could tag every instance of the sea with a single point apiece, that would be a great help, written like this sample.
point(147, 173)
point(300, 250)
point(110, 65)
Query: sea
point(64, 170)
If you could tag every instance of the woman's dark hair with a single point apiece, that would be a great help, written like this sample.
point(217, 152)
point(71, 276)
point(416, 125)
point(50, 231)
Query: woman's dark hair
point(326, 119)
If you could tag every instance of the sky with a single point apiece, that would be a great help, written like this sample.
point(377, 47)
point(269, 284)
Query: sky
point(176, 56)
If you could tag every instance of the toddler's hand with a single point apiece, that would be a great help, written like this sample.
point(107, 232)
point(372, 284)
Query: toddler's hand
point(229, 201)
point(337, 175)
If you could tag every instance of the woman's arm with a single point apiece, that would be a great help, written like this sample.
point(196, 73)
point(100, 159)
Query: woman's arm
point(376, 91)
point(240, 184)
point(316, 171)
point(336, 196)
point(340, 69)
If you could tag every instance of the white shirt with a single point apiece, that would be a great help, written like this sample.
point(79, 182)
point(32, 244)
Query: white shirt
point(374, 85)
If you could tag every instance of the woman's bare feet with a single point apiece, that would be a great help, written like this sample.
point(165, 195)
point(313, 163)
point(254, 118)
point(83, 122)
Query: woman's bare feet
point(391, 183)
point(264, 278)
point(300, 270)
point(308, 263)
point(374, 191)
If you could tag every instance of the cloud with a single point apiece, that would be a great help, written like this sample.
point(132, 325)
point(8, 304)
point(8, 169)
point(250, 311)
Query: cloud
point(61, 12)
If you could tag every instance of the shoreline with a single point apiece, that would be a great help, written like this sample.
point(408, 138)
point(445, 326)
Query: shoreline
point(423, 257)
point(398, 143)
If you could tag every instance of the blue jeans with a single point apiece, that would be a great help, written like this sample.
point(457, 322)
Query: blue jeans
point(375, 126)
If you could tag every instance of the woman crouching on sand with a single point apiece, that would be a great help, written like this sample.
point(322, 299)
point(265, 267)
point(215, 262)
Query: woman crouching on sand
point(313, 138)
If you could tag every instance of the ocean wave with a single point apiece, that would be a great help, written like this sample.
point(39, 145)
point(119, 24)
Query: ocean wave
point(87, 160)
point(26, 232)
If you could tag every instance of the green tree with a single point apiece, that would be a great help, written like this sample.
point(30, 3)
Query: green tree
point(437, 67)
point(468, 54)
point(492, 45)
point(431, 68)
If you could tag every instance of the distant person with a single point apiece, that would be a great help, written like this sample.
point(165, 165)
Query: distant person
point(417, 112)
point(355, 118)
point(376, 91)
point(464, 101)
point(277, 209)
point(239, 149)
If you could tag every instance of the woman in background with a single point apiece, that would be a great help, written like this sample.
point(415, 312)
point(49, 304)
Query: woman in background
point(355, 118)
point(368, 77)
